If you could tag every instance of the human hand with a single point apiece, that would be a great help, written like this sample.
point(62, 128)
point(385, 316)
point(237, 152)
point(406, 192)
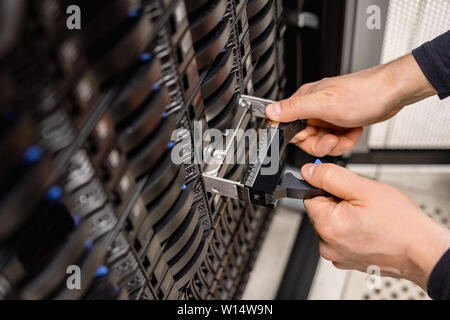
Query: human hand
point(337, 108)
point(370, 223)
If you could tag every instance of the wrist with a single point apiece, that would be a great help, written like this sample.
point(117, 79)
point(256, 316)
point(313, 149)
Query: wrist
point(425, 250)
point(406, 83)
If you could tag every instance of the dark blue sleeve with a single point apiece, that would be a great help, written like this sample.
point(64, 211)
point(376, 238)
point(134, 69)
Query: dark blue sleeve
point(433, 58)
point(439, 282)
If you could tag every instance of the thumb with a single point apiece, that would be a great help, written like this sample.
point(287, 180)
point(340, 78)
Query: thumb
point(336, 180)
point(297, 107)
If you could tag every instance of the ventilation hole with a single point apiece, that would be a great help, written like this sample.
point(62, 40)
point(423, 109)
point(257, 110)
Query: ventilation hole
point(421, 294)
point(422, 206)
point(387, 284)
point(394, 295)
point(366, 297)
point(137, 245)
point(437, 211)
point(444, 220)
point(405, 289)
point(377, 291)
point(128, 225)
point(146, 263)
point(160, 294)
point(153, 281)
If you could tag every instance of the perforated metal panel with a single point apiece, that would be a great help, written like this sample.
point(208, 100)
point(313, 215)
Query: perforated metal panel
point(424, 125)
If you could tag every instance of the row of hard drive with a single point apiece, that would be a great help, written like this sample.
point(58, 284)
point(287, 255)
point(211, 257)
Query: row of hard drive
point(91, 204)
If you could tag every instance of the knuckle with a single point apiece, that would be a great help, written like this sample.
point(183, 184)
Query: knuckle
point(292, 104)
point(326, 233)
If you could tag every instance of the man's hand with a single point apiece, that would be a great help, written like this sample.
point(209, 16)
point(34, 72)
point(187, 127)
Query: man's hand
point(370, 223)
point(337, 108)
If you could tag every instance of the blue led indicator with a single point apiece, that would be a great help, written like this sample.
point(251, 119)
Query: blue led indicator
point(156, 87)
point(33, 154)
point(133, 13)
point(76, 219)
point(54, 193)
point(170, 144)
point(88, 244)
point(101, 271)
point(183, 187)
point(164, 114)
point(317, 161)
point(146, 56)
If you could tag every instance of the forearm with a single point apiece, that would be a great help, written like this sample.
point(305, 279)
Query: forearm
point(404, 82)
point(425, 247)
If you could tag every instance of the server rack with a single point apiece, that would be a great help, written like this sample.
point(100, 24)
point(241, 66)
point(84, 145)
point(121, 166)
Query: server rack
point(87, 182)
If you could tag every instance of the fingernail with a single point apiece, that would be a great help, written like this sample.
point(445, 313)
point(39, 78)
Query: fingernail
point(273, 110)
point(302, 135)
point(328, 149)
point(309, 169)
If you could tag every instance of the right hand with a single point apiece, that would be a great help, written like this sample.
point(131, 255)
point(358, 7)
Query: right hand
point(337, 108)
point(371, 223)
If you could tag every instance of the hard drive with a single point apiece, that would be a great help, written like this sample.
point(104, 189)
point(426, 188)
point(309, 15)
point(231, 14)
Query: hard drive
point(182, 235)
point(263, 86)
point(137, 89)
point(260, 21)
point(218, 73)
point(175, 216)
point(261, 43)
point(106, 15)
point(192, 5)
point(265, 63)
point(202, 22)
point(134, 37)
point(217, 101)
point(158, 208)
point(207, 48)
point(188, 271)
point(223, 120)
point(254, 6)
point(141, 124)
point(144, 156)
point(188, 251)
point(160, 178)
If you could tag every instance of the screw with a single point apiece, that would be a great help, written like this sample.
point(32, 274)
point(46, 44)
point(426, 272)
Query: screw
point(244, 103)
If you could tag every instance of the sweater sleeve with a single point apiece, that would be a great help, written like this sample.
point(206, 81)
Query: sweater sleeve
point(439, 282)
point(433, 58)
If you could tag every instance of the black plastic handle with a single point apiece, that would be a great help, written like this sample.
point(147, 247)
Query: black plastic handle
point(295, 188)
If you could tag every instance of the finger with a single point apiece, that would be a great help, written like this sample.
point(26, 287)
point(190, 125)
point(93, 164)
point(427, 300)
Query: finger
point(319, 210)
point(302, 135)
point(336, 180)
point(297, 107)
point(347, 141)
point(319, 146)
